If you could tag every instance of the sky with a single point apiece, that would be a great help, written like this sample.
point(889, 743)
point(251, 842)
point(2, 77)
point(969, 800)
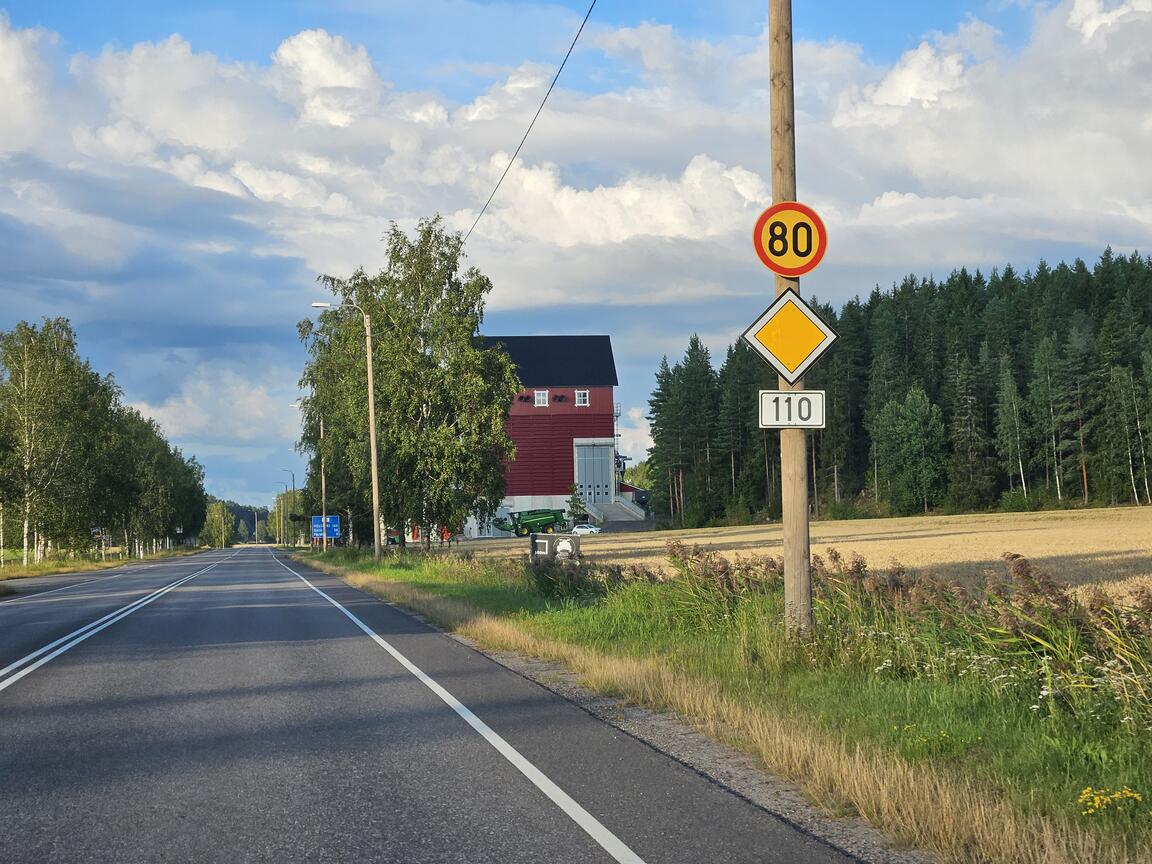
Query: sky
point(173, 179)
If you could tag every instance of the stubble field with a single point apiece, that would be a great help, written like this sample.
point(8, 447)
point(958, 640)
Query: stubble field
point(1076, 546)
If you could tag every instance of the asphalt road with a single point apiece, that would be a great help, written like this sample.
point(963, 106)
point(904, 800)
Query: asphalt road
point(236, 707)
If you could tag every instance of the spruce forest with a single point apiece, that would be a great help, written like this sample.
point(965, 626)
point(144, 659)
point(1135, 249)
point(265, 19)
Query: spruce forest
point(1012, 391)
point(80, 471)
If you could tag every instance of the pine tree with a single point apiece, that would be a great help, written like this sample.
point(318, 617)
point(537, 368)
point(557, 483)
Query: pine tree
point(970, 478)
point(910, 443)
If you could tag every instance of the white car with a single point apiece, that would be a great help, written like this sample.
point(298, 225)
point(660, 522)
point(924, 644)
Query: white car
point(585, 528)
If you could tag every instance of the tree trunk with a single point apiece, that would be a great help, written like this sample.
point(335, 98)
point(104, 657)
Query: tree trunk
point(1083, 454)
point(836, 481)
point(767, 471)
point(815, 490)
point(1019, 450)
point(1, 535)
point(1052, 433)
point(681, 497)
point(1140, 437)
point(732, 461)
point(27, 526)
point(1131, 466)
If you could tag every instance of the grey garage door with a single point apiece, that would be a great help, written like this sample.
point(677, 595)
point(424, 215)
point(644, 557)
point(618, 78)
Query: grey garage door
point(594, 472)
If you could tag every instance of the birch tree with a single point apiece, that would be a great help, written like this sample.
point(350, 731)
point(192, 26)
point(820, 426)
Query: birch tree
point(1010, 432)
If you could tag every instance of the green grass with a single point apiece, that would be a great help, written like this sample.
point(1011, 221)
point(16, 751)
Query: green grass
point(929, 685)
point(74, 563)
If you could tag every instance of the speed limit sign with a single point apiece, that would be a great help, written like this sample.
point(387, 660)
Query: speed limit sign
point(790, 238)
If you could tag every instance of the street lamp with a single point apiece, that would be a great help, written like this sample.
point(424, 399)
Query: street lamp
point(293, 504)
point(323, 488)
point(371, 421)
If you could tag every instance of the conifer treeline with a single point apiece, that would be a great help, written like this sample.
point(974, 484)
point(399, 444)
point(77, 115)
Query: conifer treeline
point(1014, 390)
point(78, 468)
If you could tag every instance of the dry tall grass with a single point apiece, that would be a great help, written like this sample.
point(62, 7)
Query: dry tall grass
point(1081, 546)
point(921, 806)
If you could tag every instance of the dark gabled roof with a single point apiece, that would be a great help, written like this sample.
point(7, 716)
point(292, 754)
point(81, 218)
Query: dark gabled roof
point(560, 361)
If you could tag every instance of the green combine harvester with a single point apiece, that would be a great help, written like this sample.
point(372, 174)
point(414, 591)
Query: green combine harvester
point(527, 522)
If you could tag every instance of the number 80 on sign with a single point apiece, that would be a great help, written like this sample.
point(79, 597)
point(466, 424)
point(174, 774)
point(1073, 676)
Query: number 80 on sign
point(790, 239)
point(791, 409)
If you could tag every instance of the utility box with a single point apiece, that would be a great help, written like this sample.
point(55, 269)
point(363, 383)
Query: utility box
point(564, 547)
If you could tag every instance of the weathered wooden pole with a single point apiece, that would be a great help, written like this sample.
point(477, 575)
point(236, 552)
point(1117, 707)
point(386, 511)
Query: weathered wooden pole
point(793, 442)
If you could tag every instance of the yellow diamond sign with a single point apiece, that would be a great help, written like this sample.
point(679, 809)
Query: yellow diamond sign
point(790, 336)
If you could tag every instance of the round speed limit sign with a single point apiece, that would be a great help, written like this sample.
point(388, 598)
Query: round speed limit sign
point(790, 238)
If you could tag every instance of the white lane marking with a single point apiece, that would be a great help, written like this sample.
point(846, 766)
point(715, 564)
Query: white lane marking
point(65, 643)
point(21, 598)
point(611, 844)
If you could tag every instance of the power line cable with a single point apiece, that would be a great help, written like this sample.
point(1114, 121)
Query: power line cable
point(527, 132)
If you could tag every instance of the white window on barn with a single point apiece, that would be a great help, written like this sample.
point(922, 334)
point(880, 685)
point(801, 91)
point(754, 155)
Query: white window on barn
point(581, 398)
point(541, 398)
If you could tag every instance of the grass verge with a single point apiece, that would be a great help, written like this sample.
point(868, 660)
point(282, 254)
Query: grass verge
point(78, 564)
point(892, 714)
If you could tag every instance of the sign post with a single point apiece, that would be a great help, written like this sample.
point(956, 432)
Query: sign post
point(793, 442)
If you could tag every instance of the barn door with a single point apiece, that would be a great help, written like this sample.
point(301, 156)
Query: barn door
point(594, 472)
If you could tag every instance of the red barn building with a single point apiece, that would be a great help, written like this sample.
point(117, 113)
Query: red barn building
point(564, 425)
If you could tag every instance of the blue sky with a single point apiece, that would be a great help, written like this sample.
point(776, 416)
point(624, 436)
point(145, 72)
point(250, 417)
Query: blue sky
point(173, 178)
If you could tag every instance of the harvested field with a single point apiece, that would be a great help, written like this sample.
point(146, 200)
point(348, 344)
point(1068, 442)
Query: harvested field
point(1076, 546)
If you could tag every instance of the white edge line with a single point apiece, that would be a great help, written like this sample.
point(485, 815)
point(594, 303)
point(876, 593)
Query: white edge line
point(128, 609)
point(591, 825)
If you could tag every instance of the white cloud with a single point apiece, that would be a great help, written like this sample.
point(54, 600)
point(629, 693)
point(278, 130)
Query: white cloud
point(216, 404)
point(1089, 16)
point(334, 81)
point(24, 83)
point(635, 435)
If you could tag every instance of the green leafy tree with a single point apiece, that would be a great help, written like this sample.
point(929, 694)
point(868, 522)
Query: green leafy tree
point(442, 397)
point(576, 507)
point(218, 526)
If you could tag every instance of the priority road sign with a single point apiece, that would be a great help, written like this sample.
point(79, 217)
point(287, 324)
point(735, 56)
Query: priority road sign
point(790, 239)
point(790, 336)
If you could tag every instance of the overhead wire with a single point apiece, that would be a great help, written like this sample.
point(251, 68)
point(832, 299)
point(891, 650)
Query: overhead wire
point(528, 131)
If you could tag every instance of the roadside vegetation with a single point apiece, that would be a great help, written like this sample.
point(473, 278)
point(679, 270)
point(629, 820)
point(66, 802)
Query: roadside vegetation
point(83, 562)
point(81, 471)
point(1003, 723)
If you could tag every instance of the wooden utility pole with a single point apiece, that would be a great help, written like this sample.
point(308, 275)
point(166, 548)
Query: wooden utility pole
point(793, 465)
point(376, 543)
point(323, 493)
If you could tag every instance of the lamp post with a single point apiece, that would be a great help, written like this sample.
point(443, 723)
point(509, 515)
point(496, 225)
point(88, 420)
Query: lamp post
point(371, 421)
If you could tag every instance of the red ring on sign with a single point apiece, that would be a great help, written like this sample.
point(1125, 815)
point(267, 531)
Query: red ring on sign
point(821, 239)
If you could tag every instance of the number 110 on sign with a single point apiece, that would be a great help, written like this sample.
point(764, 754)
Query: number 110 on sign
point(791, 409)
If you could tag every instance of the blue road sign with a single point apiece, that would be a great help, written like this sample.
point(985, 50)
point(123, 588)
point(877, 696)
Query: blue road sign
point(333, 527)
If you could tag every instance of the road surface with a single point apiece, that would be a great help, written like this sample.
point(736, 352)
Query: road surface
point(235, 706)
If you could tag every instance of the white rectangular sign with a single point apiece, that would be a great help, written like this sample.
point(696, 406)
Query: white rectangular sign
point(791, 409)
